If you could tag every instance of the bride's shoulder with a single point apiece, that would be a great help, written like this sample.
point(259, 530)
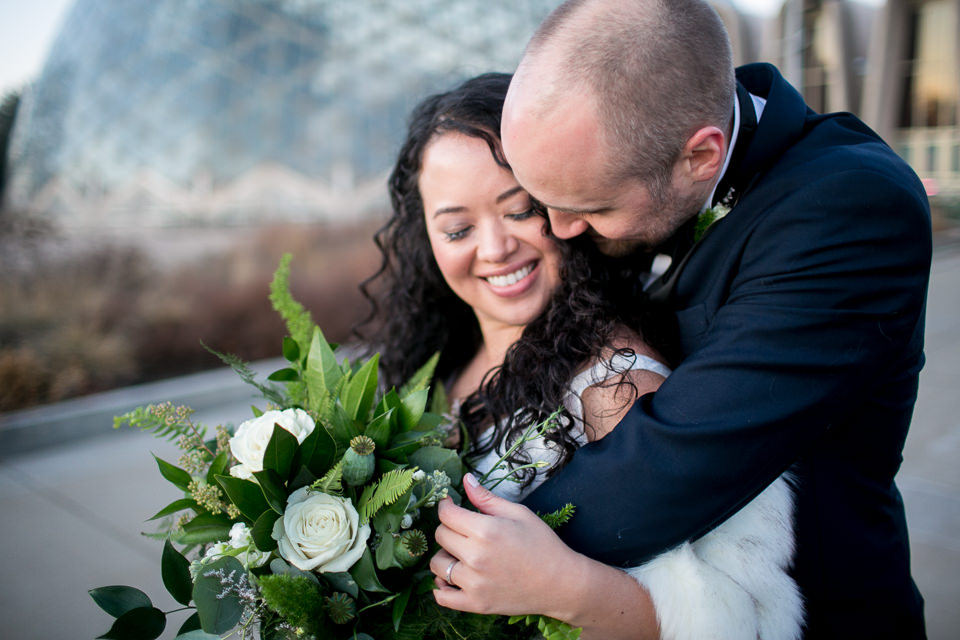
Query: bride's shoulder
point(627, 369)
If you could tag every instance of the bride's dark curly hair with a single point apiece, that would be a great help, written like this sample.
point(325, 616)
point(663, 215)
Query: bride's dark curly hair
point(417, 314)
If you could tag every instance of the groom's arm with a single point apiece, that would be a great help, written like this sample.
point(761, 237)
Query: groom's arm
point(826, 305)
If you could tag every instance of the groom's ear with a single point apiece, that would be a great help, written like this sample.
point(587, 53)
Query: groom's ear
point(702, 157)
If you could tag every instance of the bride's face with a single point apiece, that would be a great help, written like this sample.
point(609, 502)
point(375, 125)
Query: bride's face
point(488, 242)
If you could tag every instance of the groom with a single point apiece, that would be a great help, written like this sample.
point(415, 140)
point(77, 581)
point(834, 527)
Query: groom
point(798, 316)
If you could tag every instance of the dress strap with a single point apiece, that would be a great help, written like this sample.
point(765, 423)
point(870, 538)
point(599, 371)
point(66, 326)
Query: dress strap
point(603, 370)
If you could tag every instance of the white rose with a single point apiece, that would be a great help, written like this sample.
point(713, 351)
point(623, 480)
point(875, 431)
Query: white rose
point(320, 532)
point(241, 546)
point(250, 441)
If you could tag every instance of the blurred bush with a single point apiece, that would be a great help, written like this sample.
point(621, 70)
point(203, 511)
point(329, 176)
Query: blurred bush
point(78, 322)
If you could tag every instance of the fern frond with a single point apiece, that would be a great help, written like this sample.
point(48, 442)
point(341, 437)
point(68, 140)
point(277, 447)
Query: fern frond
point(384, 492)
point(559, 517)
point(271, 394)
point(420, 380)
point(299, 322)
point(332, 481)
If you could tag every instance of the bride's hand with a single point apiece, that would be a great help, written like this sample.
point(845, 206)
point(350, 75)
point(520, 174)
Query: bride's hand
point(503, 560)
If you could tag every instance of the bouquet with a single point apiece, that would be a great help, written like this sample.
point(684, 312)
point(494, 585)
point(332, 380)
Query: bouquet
point(313, 519)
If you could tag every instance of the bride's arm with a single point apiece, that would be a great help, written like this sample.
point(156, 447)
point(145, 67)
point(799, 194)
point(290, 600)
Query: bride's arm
point(511, 563)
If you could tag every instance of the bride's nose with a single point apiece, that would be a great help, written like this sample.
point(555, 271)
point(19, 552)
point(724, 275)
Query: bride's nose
point(496, 244)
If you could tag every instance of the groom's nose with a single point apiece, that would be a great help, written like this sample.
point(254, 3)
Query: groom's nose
point(566, 225)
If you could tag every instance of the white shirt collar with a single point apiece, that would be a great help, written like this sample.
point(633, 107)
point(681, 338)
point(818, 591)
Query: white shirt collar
point(758, 105)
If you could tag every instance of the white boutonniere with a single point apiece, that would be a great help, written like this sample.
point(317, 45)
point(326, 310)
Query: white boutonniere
point(707, 217)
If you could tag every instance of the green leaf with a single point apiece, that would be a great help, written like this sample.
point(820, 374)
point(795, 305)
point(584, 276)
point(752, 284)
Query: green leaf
point(273, 490)
point(284, 375)
point(262, 531)
point(420, 380)
point(341, 427)
point(196, 634)
point(142, 623)
point(246, 495)
point(439, 403)
point(118, 599)
point(280, 451)
point(381, 428)
point(406, 443)
point(343, 582)
point(323, 370)
point(332, 480)
point(385, 550)
point(192, 624)
point(366, 574)
point(218, 466)
point(412, 408)
point(180, 478)
point(175, 570)
point(204, 528)
point(175, 506)
point(291, 350)
point(318, 451)
point(433, 458)
point(358, 397)
point(219, 612)
point(384, 492)
point(399, 606)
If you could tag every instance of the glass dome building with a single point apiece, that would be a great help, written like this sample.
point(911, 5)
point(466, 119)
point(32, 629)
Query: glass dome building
point(203, 112)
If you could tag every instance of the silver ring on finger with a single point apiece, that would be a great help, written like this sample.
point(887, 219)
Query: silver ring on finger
point(448, 575)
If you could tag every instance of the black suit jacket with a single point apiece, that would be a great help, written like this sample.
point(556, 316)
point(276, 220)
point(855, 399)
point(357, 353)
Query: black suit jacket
point(800, 318)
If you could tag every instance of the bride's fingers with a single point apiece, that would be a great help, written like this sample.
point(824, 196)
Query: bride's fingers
point(443, 565)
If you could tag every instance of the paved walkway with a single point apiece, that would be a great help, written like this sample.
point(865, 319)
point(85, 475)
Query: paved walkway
point(74, 495)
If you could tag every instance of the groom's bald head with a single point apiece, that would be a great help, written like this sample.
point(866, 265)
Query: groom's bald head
point(652, 71)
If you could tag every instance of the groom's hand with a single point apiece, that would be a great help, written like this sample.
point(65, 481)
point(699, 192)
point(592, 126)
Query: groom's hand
point(502, 560)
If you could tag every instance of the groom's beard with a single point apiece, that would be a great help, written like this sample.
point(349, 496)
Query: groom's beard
point(670, 211)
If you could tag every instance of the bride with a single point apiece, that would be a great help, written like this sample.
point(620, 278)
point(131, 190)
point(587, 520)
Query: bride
point(526, 324)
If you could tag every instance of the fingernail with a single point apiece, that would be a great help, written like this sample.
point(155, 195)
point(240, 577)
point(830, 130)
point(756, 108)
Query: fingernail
point(470, 480)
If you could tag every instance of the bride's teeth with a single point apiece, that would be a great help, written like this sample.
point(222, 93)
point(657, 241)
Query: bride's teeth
point(510, 278)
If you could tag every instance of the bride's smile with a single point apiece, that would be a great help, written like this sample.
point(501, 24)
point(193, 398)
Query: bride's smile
point(489, 244)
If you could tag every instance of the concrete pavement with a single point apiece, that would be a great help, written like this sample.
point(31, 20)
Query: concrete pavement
point(74, 495)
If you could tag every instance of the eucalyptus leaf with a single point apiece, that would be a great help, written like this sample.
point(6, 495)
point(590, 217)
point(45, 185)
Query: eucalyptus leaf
point(180, 478)
point(196, 634)
point(262, 531)
point(359, 394)
point(118, 599)
point(412, 408)
point(365, 573)
point(343, 582)
point(190, 625)
point(280, 451)
point(433, 458)
point(175, 506)
point(175, 571)
point(142, 623)
point(246, 495)
point(218, 605)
